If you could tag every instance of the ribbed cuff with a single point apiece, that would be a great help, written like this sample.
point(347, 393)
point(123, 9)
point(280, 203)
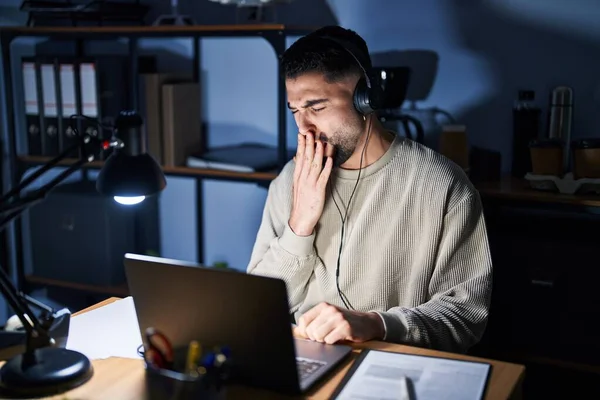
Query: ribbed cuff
point(384, 326)
point(395, 325)
point(300, 246)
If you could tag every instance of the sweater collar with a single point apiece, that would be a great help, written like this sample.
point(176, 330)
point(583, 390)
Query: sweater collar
point(352, 174)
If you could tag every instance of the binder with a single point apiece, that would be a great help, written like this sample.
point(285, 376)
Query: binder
point(32, 107)
point(48, 73)
point(57, 87)
point(89, 107)
point(68, 107)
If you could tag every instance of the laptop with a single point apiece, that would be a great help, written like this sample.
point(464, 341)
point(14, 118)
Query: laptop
point(247, 313)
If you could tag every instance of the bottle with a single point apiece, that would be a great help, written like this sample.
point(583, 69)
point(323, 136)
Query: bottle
point(561, 119)
point(526, 127)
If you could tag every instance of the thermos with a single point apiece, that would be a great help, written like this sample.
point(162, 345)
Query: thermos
point(561, 120)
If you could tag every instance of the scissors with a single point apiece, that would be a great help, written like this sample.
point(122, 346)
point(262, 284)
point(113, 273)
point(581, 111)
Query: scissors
point(160, 351)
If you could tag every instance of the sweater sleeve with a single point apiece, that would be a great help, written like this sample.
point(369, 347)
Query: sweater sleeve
point(278, 252)
point(455, 316)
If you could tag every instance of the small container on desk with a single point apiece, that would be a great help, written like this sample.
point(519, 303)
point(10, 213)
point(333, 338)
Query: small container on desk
point(549, 172)
point(206, 382)
point(586, 158)
point(547, 157)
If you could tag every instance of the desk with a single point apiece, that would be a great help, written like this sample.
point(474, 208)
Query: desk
point(123, 379)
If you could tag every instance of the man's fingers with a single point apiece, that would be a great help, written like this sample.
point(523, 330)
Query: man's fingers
point(317, 162)
point(299, 332)
point(329, 150)
point(321, 327)
point(321, 323)
point(301, 146)
point(310, 315)
point(325, 173)
point(309, 150)
point(317, 329)
point(340, 333)
point(299, 158)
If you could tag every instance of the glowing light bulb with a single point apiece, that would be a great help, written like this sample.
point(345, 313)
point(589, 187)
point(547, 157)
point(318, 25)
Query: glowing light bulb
point(129, 201)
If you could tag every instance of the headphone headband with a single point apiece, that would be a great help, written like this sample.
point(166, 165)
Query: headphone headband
point(368, 95)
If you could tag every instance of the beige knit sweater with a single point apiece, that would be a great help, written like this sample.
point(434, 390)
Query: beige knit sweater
point(415, 248)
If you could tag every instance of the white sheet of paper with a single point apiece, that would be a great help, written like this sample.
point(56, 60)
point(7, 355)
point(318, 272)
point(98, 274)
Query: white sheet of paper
point(381, 376)
point(108, 331)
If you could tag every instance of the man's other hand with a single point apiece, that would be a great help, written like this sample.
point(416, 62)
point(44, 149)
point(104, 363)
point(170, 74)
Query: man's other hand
point(330, 324)
point(310, 184)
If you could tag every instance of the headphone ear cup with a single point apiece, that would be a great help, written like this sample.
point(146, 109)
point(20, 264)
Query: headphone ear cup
point(362, 98)
point(376, 95)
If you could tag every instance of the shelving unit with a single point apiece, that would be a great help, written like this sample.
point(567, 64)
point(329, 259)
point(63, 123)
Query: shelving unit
point(544, 249)
point(275, 34)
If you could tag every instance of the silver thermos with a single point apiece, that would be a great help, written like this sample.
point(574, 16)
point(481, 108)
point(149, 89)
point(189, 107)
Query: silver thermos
point(561, 120)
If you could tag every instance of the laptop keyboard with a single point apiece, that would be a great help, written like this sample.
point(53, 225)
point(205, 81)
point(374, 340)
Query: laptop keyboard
point(307, 367)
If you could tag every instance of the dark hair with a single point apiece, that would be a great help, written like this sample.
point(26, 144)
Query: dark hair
point(311, 53)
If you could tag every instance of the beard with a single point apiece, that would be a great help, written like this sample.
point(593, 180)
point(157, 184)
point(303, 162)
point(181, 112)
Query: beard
point(342, 154)
point(344, 142)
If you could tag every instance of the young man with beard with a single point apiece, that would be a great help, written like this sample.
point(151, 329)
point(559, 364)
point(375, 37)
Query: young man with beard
point(376, 236)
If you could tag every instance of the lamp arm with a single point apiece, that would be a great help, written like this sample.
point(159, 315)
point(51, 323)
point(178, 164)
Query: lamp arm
point(38, 193)
point(11, 295)
point(24, 203)
point(45, 168)
point(36, 333)
point(36, 303)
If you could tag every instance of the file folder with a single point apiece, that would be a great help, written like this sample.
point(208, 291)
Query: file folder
point(32, 107)
point(68, 107)
point(50, 145)
point(88, 85)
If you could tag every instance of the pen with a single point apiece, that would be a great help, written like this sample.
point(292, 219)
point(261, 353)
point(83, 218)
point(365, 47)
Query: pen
point(192, 357)
point(405, 389)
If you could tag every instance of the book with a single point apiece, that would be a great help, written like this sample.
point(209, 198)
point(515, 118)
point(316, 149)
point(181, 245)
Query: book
point(181, 122)
point(244, 157)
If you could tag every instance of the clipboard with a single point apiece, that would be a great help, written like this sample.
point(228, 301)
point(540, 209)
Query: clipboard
point(416, 366)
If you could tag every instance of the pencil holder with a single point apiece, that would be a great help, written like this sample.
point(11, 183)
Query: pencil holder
point(207, 382)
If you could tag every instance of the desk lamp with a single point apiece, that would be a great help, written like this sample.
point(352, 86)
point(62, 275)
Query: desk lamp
point(128, 175)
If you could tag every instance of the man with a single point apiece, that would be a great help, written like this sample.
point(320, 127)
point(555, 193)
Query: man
point(377, 237)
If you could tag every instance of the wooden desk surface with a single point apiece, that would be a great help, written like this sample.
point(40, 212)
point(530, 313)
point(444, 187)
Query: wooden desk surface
point(123, 379)
point(519, 189)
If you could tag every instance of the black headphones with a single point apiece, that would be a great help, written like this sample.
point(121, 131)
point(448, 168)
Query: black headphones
point(368, 94)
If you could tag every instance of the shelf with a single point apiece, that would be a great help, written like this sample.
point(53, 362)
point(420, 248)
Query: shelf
point(157, 31)
point(274, 34)
point(120, 290)
point(518, 189)
point(173, 171)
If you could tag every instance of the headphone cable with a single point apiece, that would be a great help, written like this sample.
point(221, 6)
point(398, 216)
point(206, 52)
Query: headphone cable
point(343, 297)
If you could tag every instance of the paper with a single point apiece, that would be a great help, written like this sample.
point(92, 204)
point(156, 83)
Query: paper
point(385, 375)
point(108, 331)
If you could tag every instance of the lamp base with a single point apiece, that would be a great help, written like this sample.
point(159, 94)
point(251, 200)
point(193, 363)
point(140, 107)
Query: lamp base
point(53, 371)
